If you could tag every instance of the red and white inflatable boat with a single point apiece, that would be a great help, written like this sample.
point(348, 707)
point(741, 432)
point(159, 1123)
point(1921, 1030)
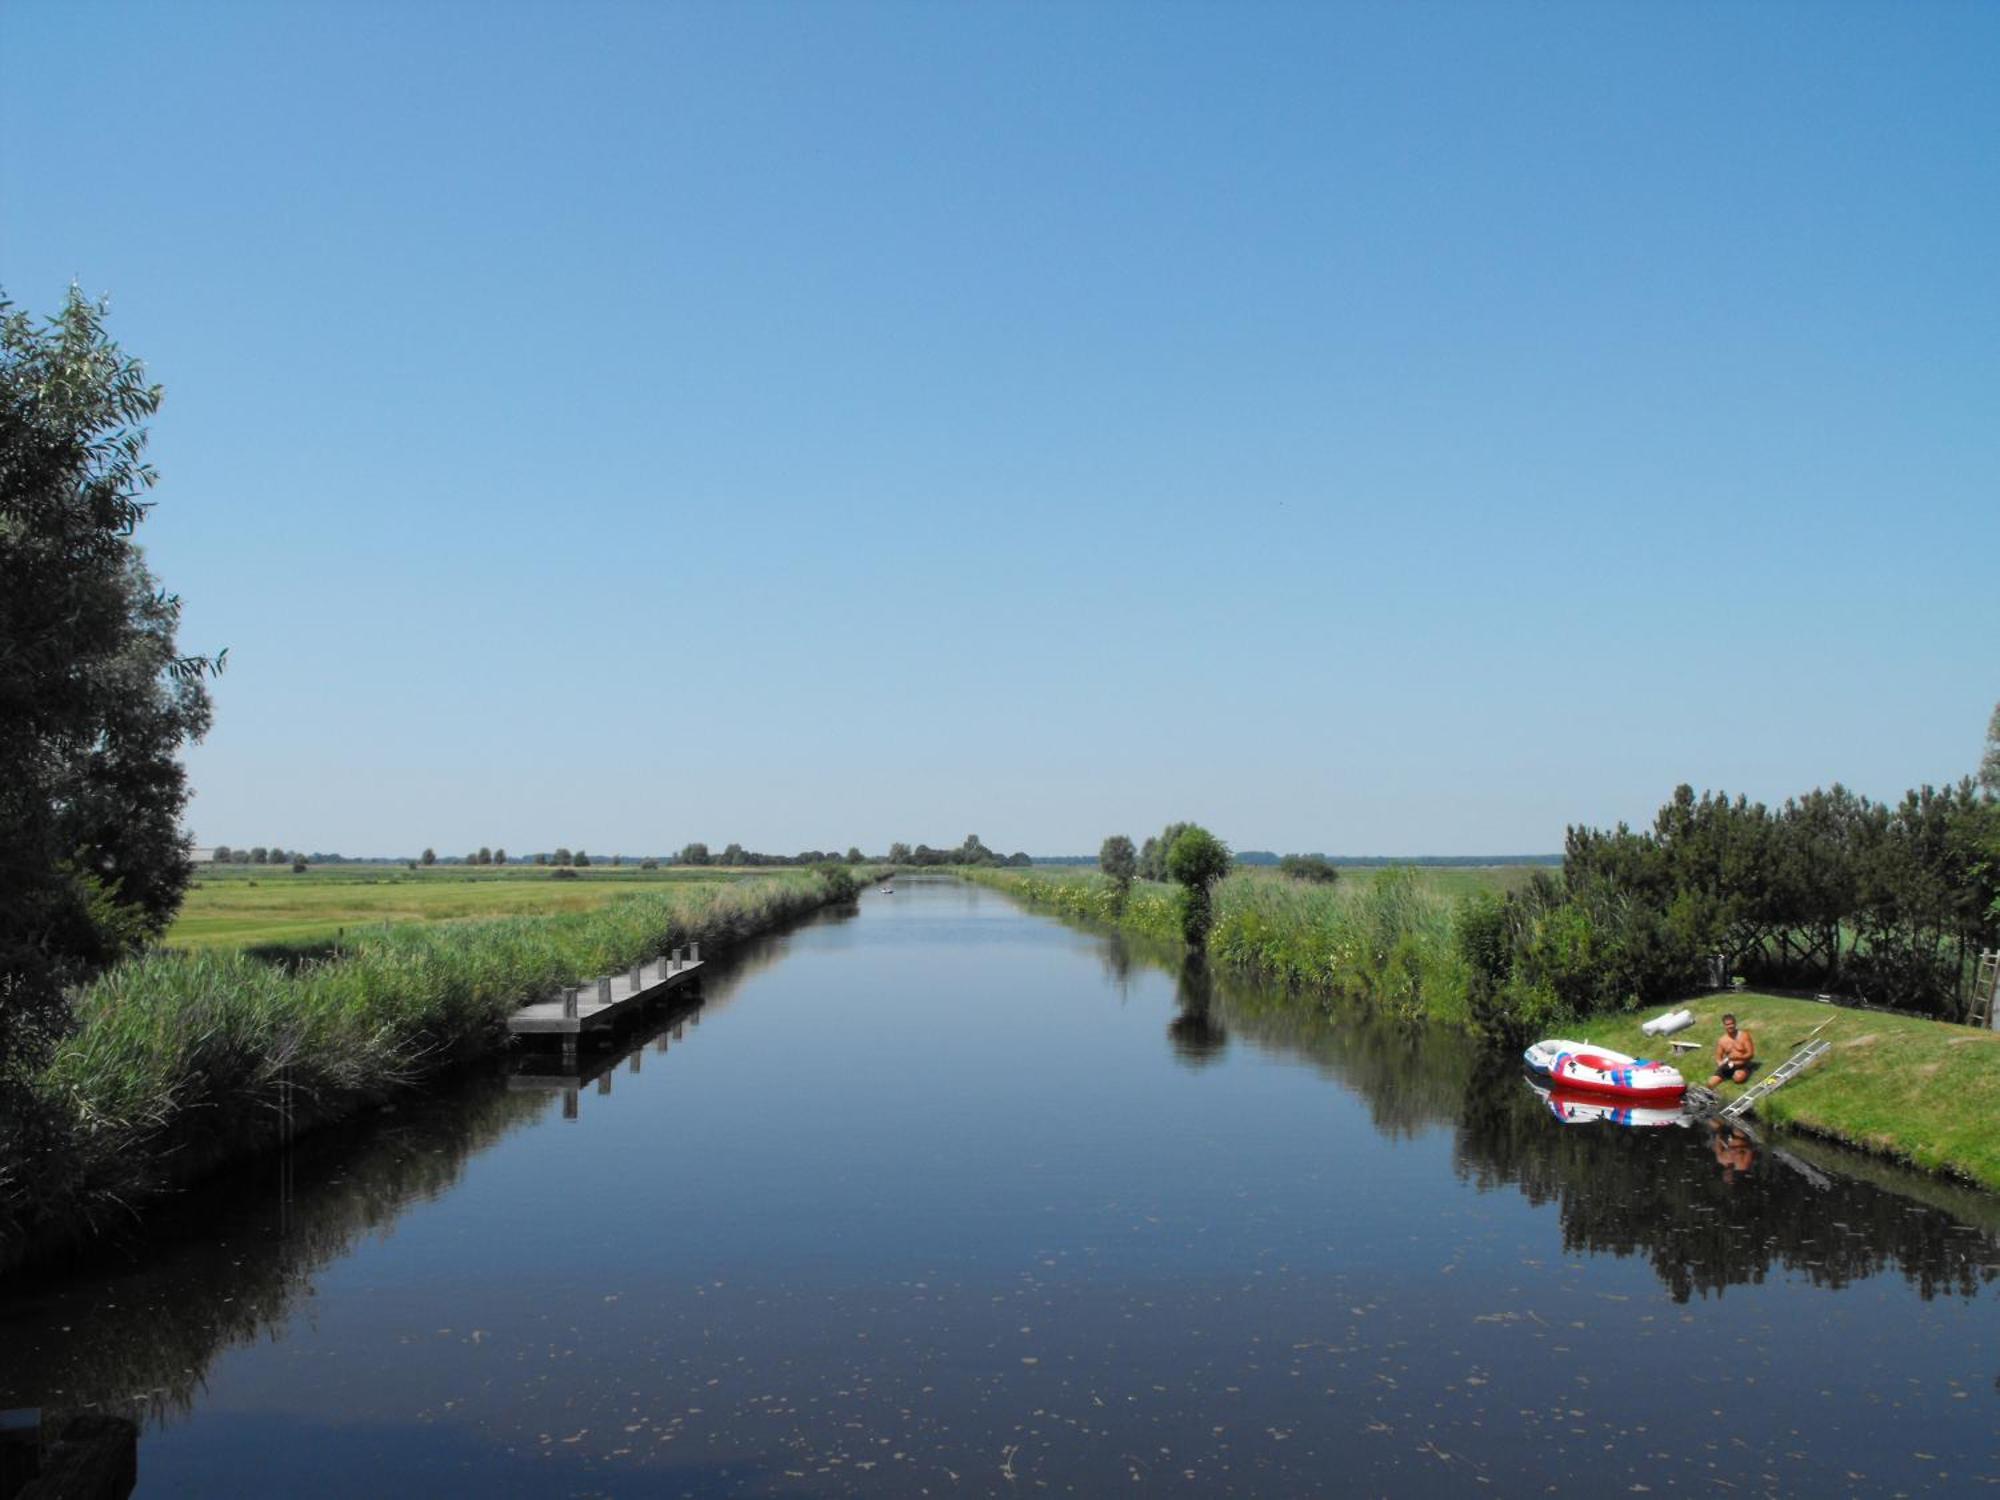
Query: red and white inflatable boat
point(1578, 1067)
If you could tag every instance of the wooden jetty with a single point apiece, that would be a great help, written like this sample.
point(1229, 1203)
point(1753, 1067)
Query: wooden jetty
point(605, 1001)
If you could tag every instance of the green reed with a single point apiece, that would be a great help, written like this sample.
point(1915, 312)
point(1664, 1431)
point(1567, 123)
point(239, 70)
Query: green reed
point(186, 1055)
point(1389, 939)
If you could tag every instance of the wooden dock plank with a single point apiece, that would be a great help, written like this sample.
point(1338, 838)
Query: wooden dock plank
point(599, 1004)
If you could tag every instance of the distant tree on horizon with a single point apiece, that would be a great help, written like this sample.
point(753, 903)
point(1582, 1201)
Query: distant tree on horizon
point(694, 854)
point(1120, 862)
point(222, 855)
point(582, 860)
point(1153, 853)
point(1315, 868)
point(499, 856)
point(430, 856)
point(899, 854)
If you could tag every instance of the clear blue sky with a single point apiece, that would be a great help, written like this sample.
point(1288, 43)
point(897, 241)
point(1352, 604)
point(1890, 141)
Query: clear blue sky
point(1375, 429)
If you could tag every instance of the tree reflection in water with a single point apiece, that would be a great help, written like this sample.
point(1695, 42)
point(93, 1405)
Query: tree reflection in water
point(1197, 1036)
point(1707, 1210)
point(232, 1263)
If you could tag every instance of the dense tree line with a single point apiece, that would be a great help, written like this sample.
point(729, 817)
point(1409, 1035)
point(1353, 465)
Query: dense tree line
point(971, 852)
point(739, 857)
point(1830, 892)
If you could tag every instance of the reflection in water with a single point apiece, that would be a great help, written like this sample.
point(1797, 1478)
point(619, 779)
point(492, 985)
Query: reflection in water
point(1668, 1196)
point(1197, 1035)
point(229, 1268)
point(938, 1214)
point(231, 1263)
point(1733, 1151)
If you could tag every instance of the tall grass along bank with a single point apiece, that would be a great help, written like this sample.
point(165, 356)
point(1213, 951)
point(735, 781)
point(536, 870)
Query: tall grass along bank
point(1911, 1088)
point(179, 1061)
point(1389, 939)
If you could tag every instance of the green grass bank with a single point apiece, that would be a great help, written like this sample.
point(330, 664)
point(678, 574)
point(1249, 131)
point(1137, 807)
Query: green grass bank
point(1913, 1089)
point(1921, 1091)
point(180, 1061)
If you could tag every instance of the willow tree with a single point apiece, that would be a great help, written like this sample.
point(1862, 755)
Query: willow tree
point(96, 700)
point(1196, 860)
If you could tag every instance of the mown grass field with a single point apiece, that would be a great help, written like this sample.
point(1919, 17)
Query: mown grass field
point(1922, 1090)
point(240, 906)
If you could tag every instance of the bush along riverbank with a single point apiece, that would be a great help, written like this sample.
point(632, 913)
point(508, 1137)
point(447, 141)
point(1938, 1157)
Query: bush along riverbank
point(180, 1061)
point(1544, 962)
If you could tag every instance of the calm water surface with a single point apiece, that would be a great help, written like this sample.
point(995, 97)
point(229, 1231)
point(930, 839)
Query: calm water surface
point(944, 1198)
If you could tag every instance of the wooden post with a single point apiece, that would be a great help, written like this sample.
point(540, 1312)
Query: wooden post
point(632, 1062)
point(604, 989)
point(637, 984)
point(694, 953)
point(569, 1002)
point(569, 1104)
point(604, 1081)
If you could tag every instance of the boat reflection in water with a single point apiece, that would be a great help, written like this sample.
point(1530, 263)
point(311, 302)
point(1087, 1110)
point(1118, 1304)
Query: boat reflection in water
point(1575, 1108)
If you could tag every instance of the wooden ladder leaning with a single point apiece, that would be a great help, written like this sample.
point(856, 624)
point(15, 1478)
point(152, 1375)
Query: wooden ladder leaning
point(1783, 1074)
point(1985, 991)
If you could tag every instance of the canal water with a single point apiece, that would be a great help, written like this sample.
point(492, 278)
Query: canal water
point(936, 1196)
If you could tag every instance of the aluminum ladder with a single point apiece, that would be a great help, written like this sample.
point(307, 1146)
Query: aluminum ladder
point(1783, 1074)
point(1985, 988)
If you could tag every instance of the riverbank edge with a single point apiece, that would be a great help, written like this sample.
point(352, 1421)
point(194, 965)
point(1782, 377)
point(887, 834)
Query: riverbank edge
point(1916, 1086)
point(250, 1123)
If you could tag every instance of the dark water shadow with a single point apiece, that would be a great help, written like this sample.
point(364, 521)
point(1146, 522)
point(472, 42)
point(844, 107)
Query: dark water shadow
point(132, 1325)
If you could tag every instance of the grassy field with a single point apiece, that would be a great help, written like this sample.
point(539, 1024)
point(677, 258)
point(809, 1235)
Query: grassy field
point(239, 906)
point(1920, 1090)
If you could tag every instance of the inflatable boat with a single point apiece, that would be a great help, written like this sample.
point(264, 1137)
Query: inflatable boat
point(1578, 1067)
point(1589, 1109)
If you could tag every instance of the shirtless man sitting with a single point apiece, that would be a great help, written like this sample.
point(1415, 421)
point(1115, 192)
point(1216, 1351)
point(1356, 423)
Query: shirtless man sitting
point(1735, 1054)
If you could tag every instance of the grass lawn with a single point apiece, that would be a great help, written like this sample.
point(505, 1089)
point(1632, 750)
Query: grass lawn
point(1921, 1090)
point(247, 905)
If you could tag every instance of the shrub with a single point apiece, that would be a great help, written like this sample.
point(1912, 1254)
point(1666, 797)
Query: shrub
point(1315, 868)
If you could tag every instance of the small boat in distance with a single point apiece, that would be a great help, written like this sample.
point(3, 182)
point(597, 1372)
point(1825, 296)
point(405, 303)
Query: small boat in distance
point(1581, 1068)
